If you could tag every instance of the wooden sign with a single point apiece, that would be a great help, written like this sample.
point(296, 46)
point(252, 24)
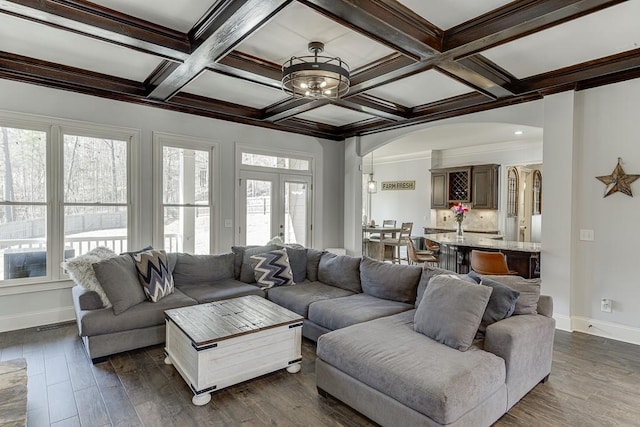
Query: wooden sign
point(398, 185)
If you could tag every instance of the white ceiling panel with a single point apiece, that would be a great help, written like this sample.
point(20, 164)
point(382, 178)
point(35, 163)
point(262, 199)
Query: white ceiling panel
point(230, 89)
point(334, 115)
point(289, 33)
point(420, 89)
point(67, 48)
point(447, 14)
point(608, 32)
point(179, 15)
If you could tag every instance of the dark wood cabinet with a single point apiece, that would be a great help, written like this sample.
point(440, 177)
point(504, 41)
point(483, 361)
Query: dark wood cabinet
point(484, 183)
point(477, 185)
point(439, 192)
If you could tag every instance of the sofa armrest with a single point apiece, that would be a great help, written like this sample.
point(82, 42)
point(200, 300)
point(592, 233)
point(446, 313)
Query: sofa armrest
point(525, 342)
point(86, 299)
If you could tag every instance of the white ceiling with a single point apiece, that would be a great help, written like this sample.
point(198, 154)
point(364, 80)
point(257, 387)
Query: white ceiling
point(334, 115)
point(610, 31)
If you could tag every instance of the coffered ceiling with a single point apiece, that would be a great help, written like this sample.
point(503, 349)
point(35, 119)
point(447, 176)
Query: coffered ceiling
point(411, 61)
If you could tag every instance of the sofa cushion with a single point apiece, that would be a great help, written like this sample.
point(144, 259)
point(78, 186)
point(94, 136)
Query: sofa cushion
point(529, 289)
point(313, 262)
point(219, 290)
point(342, 271)
point(393, 282)
point(501, 305)
point(451, 310)
point(430, 272)
point(197, 269)
point(272, 269)
point(433, 379)
point(346, 311)
point(119, 280)
point(154, 274)
point(298, 298)
point(143, 315)
point(80, 270)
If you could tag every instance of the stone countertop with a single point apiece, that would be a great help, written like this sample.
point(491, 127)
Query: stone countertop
point(483, 241)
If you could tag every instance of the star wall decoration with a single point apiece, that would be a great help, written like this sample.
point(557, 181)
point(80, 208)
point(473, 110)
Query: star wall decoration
point(618, 181)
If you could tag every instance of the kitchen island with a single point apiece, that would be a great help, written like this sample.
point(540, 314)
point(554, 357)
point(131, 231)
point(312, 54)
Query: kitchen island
point(455, 253)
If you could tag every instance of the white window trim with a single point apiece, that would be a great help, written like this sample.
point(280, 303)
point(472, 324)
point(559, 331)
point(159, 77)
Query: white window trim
point(56, 278)
point(162, 139)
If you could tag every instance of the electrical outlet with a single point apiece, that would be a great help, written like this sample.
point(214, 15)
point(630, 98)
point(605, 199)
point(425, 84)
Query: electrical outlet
point(605, 305)
point(586, 235)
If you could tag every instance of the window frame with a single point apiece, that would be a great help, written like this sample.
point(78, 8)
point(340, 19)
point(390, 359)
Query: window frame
point(55, 128)
point(163, 139)
point(513, 193)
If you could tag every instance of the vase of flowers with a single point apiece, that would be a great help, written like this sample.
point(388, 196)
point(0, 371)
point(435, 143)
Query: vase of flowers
point(459, 210)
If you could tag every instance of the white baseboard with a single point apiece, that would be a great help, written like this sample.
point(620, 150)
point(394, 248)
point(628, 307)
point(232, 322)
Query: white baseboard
point(563, 322)
point(36, 318)
point(606, 329)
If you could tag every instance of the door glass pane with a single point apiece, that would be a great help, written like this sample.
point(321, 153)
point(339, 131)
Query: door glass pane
point(95, 170)
point(23, 242)
point(185, 176)
point(295, 212)
point(87, 227)
point(186, 229)
point(265, 161)
point(258, 208)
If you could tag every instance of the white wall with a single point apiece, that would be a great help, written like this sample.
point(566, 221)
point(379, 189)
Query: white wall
point(44, 306)
point(606, 123)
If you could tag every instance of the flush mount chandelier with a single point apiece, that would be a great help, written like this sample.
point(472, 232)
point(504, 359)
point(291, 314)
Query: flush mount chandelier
point(315, 76)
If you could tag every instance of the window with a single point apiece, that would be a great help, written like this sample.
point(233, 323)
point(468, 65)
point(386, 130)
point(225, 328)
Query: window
point(512, 192)
point(64, 191)
point(537, 192)
point(23, 203)
point(184, 219)
point(267, 161)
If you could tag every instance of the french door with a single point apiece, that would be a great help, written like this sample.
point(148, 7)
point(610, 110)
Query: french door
point(274, 204)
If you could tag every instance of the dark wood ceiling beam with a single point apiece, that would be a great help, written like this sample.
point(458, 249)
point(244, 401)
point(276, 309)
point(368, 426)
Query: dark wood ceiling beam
point(481, 74)
point(238, 20)
point(610, 68)
point(247, 67)
point(375, 107)
point(104, 24)
point(386, 21)
point(515, 20)
point(291, 107)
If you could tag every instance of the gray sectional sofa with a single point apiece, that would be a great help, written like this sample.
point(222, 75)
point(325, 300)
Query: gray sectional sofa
point(361, 312)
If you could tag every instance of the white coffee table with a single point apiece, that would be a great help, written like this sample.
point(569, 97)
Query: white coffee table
point(222, 343)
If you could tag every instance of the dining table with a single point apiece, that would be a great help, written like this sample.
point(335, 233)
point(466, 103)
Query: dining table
point(375, 248)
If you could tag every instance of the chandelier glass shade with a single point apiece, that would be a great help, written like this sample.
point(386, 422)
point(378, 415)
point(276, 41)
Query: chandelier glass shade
point(315, 76)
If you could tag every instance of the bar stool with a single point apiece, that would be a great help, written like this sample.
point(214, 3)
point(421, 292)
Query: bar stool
point(494, 263)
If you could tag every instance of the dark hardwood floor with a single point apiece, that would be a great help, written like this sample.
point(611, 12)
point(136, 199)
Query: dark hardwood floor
point(594, 382)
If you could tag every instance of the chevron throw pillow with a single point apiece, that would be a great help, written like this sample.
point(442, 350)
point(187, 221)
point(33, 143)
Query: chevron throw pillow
point(272, 269)
point(154, 274)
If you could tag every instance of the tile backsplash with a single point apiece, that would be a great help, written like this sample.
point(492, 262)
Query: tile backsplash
point(475, 219)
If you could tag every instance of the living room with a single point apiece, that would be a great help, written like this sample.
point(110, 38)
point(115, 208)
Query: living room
point(586, 130)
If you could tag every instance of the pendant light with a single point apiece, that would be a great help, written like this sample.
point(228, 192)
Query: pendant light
point(372, 185)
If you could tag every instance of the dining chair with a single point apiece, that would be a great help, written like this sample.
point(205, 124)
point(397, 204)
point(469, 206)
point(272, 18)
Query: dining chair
point(398, 242)
point(420, 257)
point(495, 263)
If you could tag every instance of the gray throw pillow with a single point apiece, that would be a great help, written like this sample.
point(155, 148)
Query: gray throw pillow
point(80, 270)
point(119, 280)
point(529, 292)
point(502, 303)
point(429, 273)
point(451, 310)
point(313, 262)
point(341, 271)
point(202, 269)
point(298, 262)
point(393, 282)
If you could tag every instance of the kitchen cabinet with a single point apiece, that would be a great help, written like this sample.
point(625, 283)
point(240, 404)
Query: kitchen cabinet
point(475, 185)
point(484, 184)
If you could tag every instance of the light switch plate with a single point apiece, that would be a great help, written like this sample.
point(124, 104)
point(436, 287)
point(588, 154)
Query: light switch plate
point(586, 235)
point(228, 223)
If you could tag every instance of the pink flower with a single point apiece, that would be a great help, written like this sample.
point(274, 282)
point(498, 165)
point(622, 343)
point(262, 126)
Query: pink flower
point(459, 210)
